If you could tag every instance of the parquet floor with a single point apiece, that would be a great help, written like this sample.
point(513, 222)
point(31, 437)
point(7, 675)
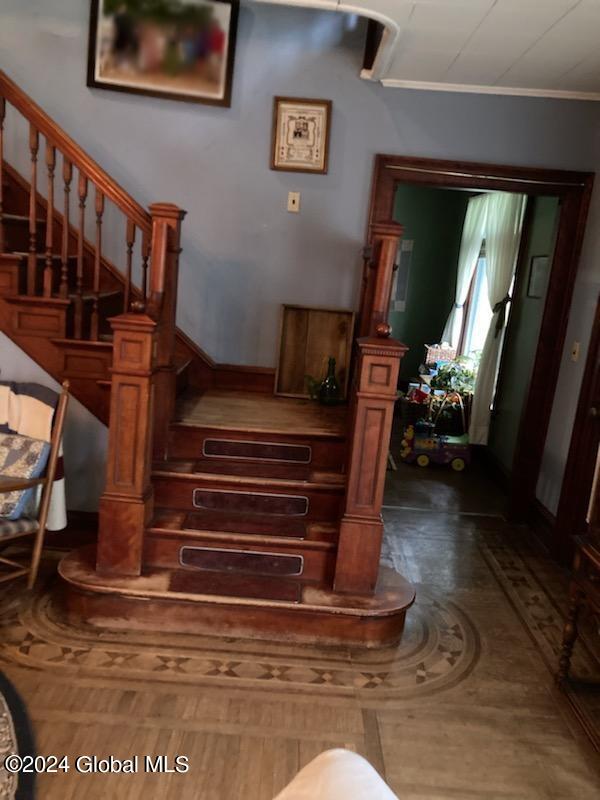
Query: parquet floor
point(464, 708)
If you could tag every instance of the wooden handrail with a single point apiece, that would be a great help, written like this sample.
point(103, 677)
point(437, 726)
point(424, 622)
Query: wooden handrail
point(378, 270)
point(73, 152)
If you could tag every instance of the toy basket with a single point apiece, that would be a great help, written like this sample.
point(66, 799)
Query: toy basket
point(434, 353)
point(457, 424)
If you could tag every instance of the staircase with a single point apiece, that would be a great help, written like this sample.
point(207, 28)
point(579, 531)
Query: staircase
point(226, 509)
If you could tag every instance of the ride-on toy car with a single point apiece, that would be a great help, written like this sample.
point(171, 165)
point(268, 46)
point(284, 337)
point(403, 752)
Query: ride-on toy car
point(423, 445)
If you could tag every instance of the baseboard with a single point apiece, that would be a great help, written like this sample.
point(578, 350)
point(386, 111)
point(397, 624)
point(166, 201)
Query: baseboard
point(543, 522)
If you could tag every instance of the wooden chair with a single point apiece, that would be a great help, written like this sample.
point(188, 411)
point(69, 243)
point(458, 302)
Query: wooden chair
point(12, 530)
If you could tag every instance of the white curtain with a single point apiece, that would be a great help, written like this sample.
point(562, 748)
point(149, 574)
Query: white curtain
point(470, 246)
point(502, 237)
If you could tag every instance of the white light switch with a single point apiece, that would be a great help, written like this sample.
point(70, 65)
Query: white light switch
point(575, 351)
point(293, 202)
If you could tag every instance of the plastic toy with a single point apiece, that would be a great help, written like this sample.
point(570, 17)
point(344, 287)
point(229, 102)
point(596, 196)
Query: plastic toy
point(422, 445)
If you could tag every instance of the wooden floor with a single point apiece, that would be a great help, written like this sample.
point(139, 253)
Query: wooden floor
point(254, 412)
point(465, 707)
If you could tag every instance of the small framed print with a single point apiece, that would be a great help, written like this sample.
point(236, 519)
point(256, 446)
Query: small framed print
point(538, 277)
point(300, 140)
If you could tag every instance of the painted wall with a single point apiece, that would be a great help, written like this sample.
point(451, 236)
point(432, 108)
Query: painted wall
point(433, 220)
point(522, 337)
point(244, 254)
point(84, 440)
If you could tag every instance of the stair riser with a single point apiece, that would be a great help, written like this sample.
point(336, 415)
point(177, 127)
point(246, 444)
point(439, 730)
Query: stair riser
point(107, 307)
point(11, 282)
point(191, 443)
point(162, 551)
point(17, 282)
point(306, 504)
point(16, 234)
point(268, 621)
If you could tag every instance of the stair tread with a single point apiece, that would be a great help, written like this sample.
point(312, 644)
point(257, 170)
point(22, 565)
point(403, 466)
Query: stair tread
point(40, 255)
point(244, 473)
point(255, 412)
point(89, 295)
point(157, 583)
point(20, 217)
point(244, 524)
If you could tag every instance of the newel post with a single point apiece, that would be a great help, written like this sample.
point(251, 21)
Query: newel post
point(378, 276)
point(162, 293)
point(361, 528)
point(127, 503)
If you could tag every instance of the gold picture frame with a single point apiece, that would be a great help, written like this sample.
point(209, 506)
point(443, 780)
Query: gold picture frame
point(300, 135)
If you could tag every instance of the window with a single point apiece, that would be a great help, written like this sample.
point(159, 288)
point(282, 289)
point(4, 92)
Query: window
point(477, 314)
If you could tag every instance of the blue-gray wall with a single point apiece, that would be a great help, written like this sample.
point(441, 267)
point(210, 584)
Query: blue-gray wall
point(244, 254)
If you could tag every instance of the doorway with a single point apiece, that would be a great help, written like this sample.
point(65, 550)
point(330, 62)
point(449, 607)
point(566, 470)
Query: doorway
point(540, 296)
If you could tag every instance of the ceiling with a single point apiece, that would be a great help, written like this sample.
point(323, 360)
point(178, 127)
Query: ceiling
point(531, 47)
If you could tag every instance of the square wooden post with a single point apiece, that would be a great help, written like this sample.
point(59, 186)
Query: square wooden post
point(126, 505)
point(361, 529)
point(164, 274)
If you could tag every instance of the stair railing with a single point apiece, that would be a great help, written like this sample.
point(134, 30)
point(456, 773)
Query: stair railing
point(143, 374)
point(373, 397)
point(93, 187)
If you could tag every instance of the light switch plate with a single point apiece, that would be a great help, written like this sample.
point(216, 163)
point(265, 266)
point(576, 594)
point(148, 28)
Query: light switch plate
point(575, 351)
point(293, 204)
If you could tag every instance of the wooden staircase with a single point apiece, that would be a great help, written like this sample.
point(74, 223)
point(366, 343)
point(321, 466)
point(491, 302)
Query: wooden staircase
point(226, 509)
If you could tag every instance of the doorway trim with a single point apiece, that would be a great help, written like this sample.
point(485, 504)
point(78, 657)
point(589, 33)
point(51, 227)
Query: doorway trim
point(574, 191)
point(583, 449)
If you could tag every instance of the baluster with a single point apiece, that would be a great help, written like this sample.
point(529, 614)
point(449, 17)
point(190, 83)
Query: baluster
point(2, 115)
point(50, 165)
point(82, 191)
point(97, 261)
point(130, 243)
point(145, 256)
point(34, 143)
point(64, 256)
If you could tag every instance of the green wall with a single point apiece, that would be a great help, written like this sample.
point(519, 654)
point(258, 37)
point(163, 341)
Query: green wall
point(433, 219)
point(521, 338)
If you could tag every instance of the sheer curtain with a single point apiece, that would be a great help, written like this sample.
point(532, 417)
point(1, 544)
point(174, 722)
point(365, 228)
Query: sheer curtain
point(470, 245)
point(502, 237)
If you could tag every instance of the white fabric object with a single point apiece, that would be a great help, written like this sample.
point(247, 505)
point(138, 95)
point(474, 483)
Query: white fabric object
point(31, 416)
point(337, 775)
point(502, 238)
point(473, 234)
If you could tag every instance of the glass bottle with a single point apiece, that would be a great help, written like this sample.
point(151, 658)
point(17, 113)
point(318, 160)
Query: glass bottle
point(329, 391)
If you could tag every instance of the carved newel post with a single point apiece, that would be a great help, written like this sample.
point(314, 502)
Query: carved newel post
point(361, 529)
point(127, 503)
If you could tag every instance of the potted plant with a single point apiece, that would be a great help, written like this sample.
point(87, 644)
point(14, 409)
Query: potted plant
point(453, 387)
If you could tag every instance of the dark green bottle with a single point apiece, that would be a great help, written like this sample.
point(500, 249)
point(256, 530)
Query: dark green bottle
point(329, 391)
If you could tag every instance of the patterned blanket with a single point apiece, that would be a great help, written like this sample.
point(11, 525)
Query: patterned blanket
point(28, 409)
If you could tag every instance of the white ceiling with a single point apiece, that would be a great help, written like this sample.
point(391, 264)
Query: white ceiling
point(533, 47)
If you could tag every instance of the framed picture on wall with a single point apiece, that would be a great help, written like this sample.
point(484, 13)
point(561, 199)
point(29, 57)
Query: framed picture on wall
point(538, 276)
point(178, 49)
point(300, 137)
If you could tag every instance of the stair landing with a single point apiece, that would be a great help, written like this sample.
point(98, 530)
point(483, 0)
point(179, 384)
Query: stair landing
point(190, 601)
point(260, 413)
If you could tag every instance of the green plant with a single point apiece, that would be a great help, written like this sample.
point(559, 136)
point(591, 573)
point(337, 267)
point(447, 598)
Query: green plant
point(456, 376)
